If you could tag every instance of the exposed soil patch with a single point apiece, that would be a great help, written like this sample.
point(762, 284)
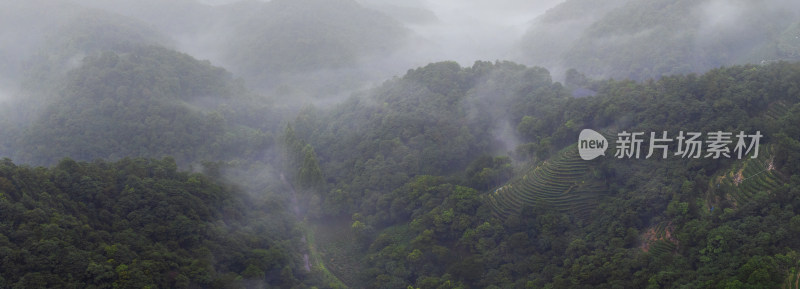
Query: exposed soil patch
point(655, 233)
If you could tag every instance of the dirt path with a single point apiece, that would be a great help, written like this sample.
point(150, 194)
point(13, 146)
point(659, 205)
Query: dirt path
point(299, 216)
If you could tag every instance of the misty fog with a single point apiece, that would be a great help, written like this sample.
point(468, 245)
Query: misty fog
point(289, 54)
point(441, 30)
point(466, 31)
point(392, 144)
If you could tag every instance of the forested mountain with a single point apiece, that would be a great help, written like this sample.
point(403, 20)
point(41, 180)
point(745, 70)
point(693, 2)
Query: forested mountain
point(644, 39)
point(651, 220)
point(434, 120)
point(144, 101)
point(87, 32)
point(55, 35)
point(289, 48)
point(38, 65)
point(139, 163)
point(308, 47)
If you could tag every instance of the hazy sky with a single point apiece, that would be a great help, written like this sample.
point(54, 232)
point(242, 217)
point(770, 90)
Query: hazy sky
point(467, 30)
point(479, 30)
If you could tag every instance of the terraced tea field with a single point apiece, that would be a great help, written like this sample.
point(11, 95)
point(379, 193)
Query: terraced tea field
point(563, 182)
point(749, 177)
point(658, 240)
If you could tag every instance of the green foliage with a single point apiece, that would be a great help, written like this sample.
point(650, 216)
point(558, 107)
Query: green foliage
point(486, 172)
point(135, 223)
point(413, 161)
point(431, 230)
point(563, 182)
point(310, 176)
point(436, 120)
point(149, 102)
point(746, 180)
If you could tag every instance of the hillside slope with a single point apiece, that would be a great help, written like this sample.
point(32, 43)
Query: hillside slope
point(143, 101)
point(645, 39)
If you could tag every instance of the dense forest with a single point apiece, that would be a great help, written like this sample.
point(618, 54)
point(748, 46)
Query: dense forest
point(658, 223)
point(267, 145)
point(137, 223)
